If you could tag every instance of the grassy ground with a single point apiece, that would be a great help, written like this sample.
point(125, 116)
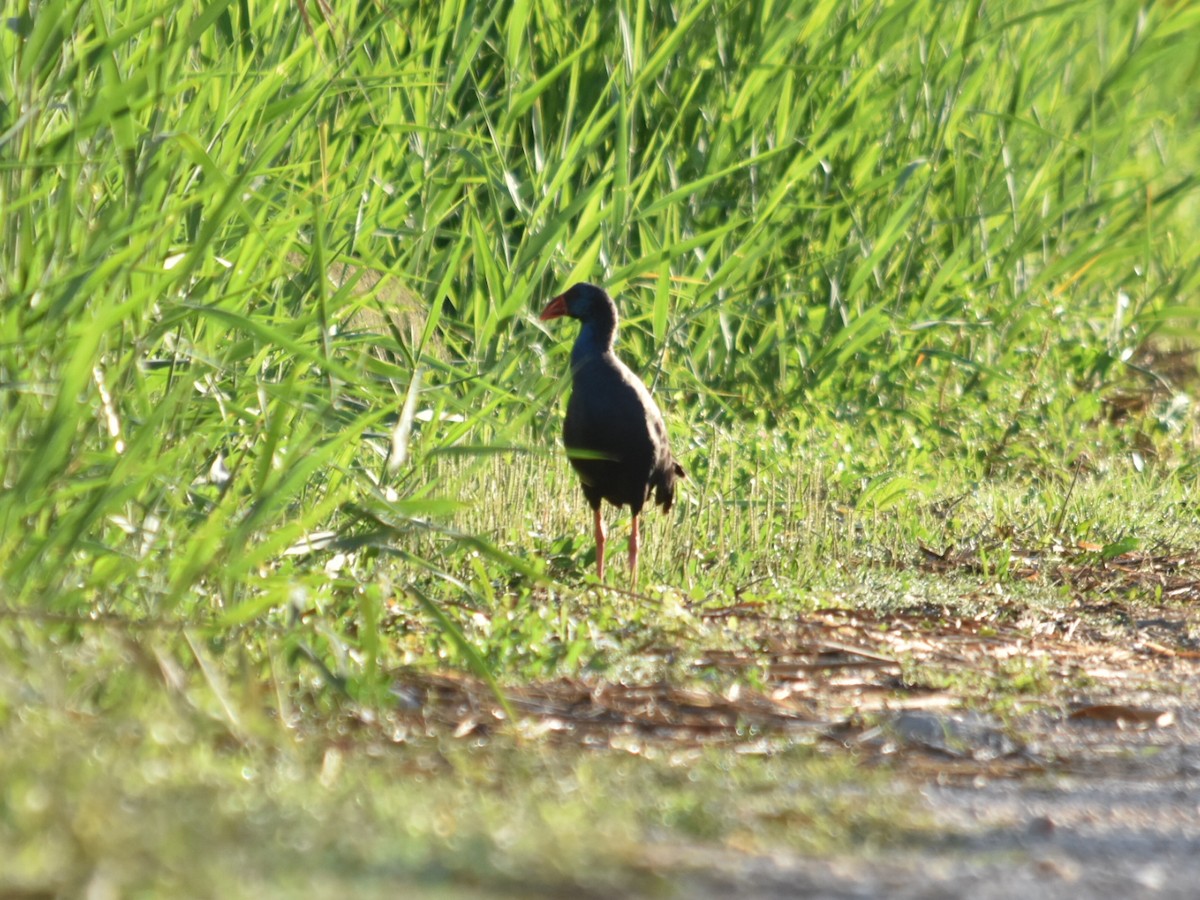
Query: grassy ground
point(914, 283)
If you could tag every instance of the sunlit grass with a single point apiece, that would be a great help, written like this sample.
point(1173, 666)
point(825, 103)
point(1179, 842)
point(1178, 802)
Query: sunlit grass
point(276, 418)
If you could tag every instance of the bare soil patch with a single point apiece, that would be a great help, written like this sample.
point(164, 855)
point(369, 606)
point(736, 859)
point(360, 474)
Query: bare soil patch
point(1058, 750)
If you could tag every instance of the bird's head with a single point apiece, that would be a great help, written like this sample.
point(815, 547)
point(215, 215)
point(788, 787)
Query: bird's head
point(585, 302)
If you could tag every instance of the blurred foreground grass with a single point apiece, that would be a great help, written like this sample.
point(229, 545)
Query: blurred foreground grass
point(276, 419)
point(120, 784)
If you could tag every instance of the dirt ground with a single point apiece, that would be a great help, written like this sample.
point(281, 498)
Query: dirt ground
point(1085, 783)
point(1087, 808)
point(1122, 819)
point(1095, 792)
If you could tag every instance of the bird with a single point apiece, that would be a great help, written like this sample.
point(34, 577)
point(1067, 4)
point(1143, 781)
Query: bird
point(613, 430)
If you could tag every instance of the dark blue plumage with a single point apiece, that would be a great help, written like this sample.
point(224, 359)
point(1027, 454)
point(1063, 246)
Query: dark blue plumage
point(613, 431)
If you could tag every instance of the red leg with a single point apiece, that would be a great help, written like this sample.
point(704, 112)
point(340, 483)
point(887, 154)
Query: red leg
point(600, 539)
point(633, 551)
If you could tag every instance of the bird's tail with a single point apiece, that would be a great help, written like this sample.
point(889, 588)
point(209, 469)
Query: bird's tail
point(663, 483)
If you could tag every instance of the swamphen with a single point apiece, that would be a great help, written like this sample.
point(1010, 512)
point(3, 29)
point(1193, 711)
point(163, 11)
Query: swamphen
point(613, 432)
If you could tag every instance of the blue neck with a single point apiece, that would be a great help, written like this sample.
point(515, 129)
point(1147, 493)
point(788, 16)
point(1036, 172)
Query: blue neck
point(594, 339)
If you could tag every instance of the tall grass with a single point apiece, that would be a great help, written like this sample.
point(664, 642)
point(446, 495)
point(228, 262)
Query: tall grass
point(240, 238)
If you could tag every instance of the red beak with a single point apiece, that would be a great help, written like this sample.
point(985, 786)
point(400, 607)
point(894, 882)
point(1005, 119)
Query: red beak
point(557, 307)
